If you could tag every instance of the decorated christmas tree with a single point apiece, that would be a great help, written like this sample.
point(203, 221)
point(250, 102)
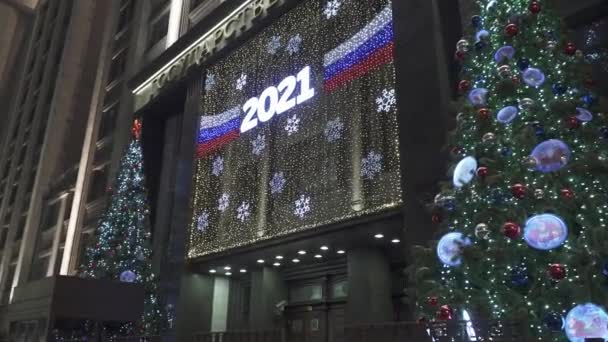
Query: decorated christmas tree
point(522, 232)
point(122, 246)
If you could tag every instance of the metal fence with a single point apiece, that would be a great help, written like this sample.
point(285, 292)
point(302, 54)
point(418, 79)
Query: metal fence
point(450, 331)
point(241, 336)
point(139, 339)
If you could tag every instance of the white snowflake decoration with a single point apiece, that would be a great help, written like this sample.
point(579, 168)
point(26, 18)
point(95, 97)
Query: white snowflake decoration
point(202, 223)
point(277, 183)
point(241, 82)
point(243, 212)
point(258, 145)
point(302, 206)
point(293, 125)
point(209, 82)
point(218, 166)
point(224, 202)
point(333, 130)
point(372, 165)
point(331, 8)
point(386, 102)
point(274, 45)
point(294, 44)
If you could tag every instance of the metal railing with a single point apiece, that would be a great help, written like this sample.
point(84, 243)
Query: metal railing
point(241, 336)
point(139, 339)
point(448, 331)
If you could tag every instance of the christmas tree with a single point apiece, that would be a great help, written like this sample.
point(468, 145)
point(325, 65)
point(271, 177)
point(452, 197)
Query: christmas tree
point(121, 250)
point(522, 221)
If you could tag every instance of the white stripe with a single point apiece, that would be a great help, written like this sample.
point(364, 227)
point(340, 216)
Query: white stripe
point(383, 18)
point(217, 120)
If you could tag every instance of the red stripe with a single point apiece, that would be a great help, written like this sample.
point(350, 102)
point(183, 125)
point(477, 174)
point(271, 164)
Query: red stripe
point(215, 144)
point(379, 58)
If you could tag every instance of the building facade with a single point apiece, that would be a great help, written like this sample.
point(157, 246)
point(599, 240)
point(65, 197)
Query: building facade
point(290, 147)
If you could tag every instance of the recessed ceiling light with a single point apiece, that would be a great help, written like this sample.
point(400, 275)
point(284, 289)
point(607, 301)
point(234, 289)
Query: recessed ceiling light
point(260, 261)
point(379, 236)
point(212, 271)
point(324, 248)
point(302, 252)
point(296, 260)
point(279, 257)
point(277, 264)
point(341, 251)
point(227, 268)
point(243, 270)
point(228, 273)
point(395, 240)
point(318, 256)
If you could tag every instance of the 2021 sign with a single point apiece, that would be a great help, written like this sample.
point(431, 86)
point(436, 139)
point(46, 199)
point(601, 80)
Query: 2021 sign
point(277, 100)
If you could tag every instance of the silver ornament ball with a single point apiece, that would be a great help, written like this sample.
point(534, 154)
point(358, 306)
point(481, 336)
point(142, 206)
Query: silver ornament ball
point(488, 137)
point(482, 231)
point(462, 45)
point(539, 193)
point(526, 104)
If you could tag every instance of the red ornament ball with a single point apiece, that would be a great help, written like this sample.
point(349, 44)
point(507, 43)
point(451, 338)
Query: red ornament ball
point(570, 49)
point(464, 85)
point(483, 171)
point(557, 271)
point(516, 80)
point(572, 122)
point(460, 56)
point(511, 30)
point(484, 113)
point(445, 313)
point(433, 301)
point(511, 230)
point(534, 7)
point(589, 82)
point(456, 150)
point(436, 218)
point(519, 190)
point(567, 194)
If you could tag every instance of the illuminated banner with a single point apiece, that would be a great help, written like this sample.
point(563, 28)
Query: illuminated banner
point(298, 128)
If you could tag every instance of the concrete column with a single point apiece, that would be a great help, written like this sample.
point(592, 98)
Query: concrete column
point(175, 16)
point(195, 305)
point(369, 287)
point(221, 294)
point(57, 237)
point(267, 289)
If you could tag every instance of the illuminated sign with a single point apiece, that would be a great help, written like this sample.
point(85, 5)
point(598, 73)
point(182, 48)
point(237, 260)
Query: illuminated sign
point(239, 21)
point(277, 100)
point(298, 128)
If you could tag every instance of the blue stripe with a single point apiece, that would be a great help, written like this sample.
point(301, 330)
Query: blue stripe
point(209, 134)
point(376, 42)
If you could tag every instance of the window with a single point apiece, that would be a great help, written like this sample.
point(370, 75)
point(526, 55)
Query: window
point(97, 188)
point(158, 31)
point(11, 199)
point(108, 121)
point(117, 67)
point(39, 268)
point(7, 218)
point(195, 3)
point(306, 293)
point(50, 215)
point(21, 227)
point(126, 11)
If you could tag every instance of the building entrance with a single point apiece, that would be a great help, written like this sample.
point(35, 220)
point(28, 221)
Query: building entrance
point(316, 323)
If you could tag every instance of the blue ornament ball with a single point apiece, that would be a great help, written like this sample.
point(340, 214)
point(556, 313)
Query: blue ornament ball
point(604, 132)
point(553, 321)
point(605, 270)
point(539, 131)
point(533, 77)
point(589, 100)
point(479, 45)
point(505, 151)
point(586, 321)
point(519, 276)
point(545, 232)
point(476, 21)
point(523, 64)
point(551, 155)
point(559, 88)
point(450, 247)
point(498, 197)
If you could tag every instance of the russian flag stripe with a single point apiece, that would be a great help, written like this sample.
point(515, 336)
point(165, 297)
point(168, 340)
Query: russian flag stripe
point(377, 24)
point(378, 41)
point(374, 61)
point(214, 132)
